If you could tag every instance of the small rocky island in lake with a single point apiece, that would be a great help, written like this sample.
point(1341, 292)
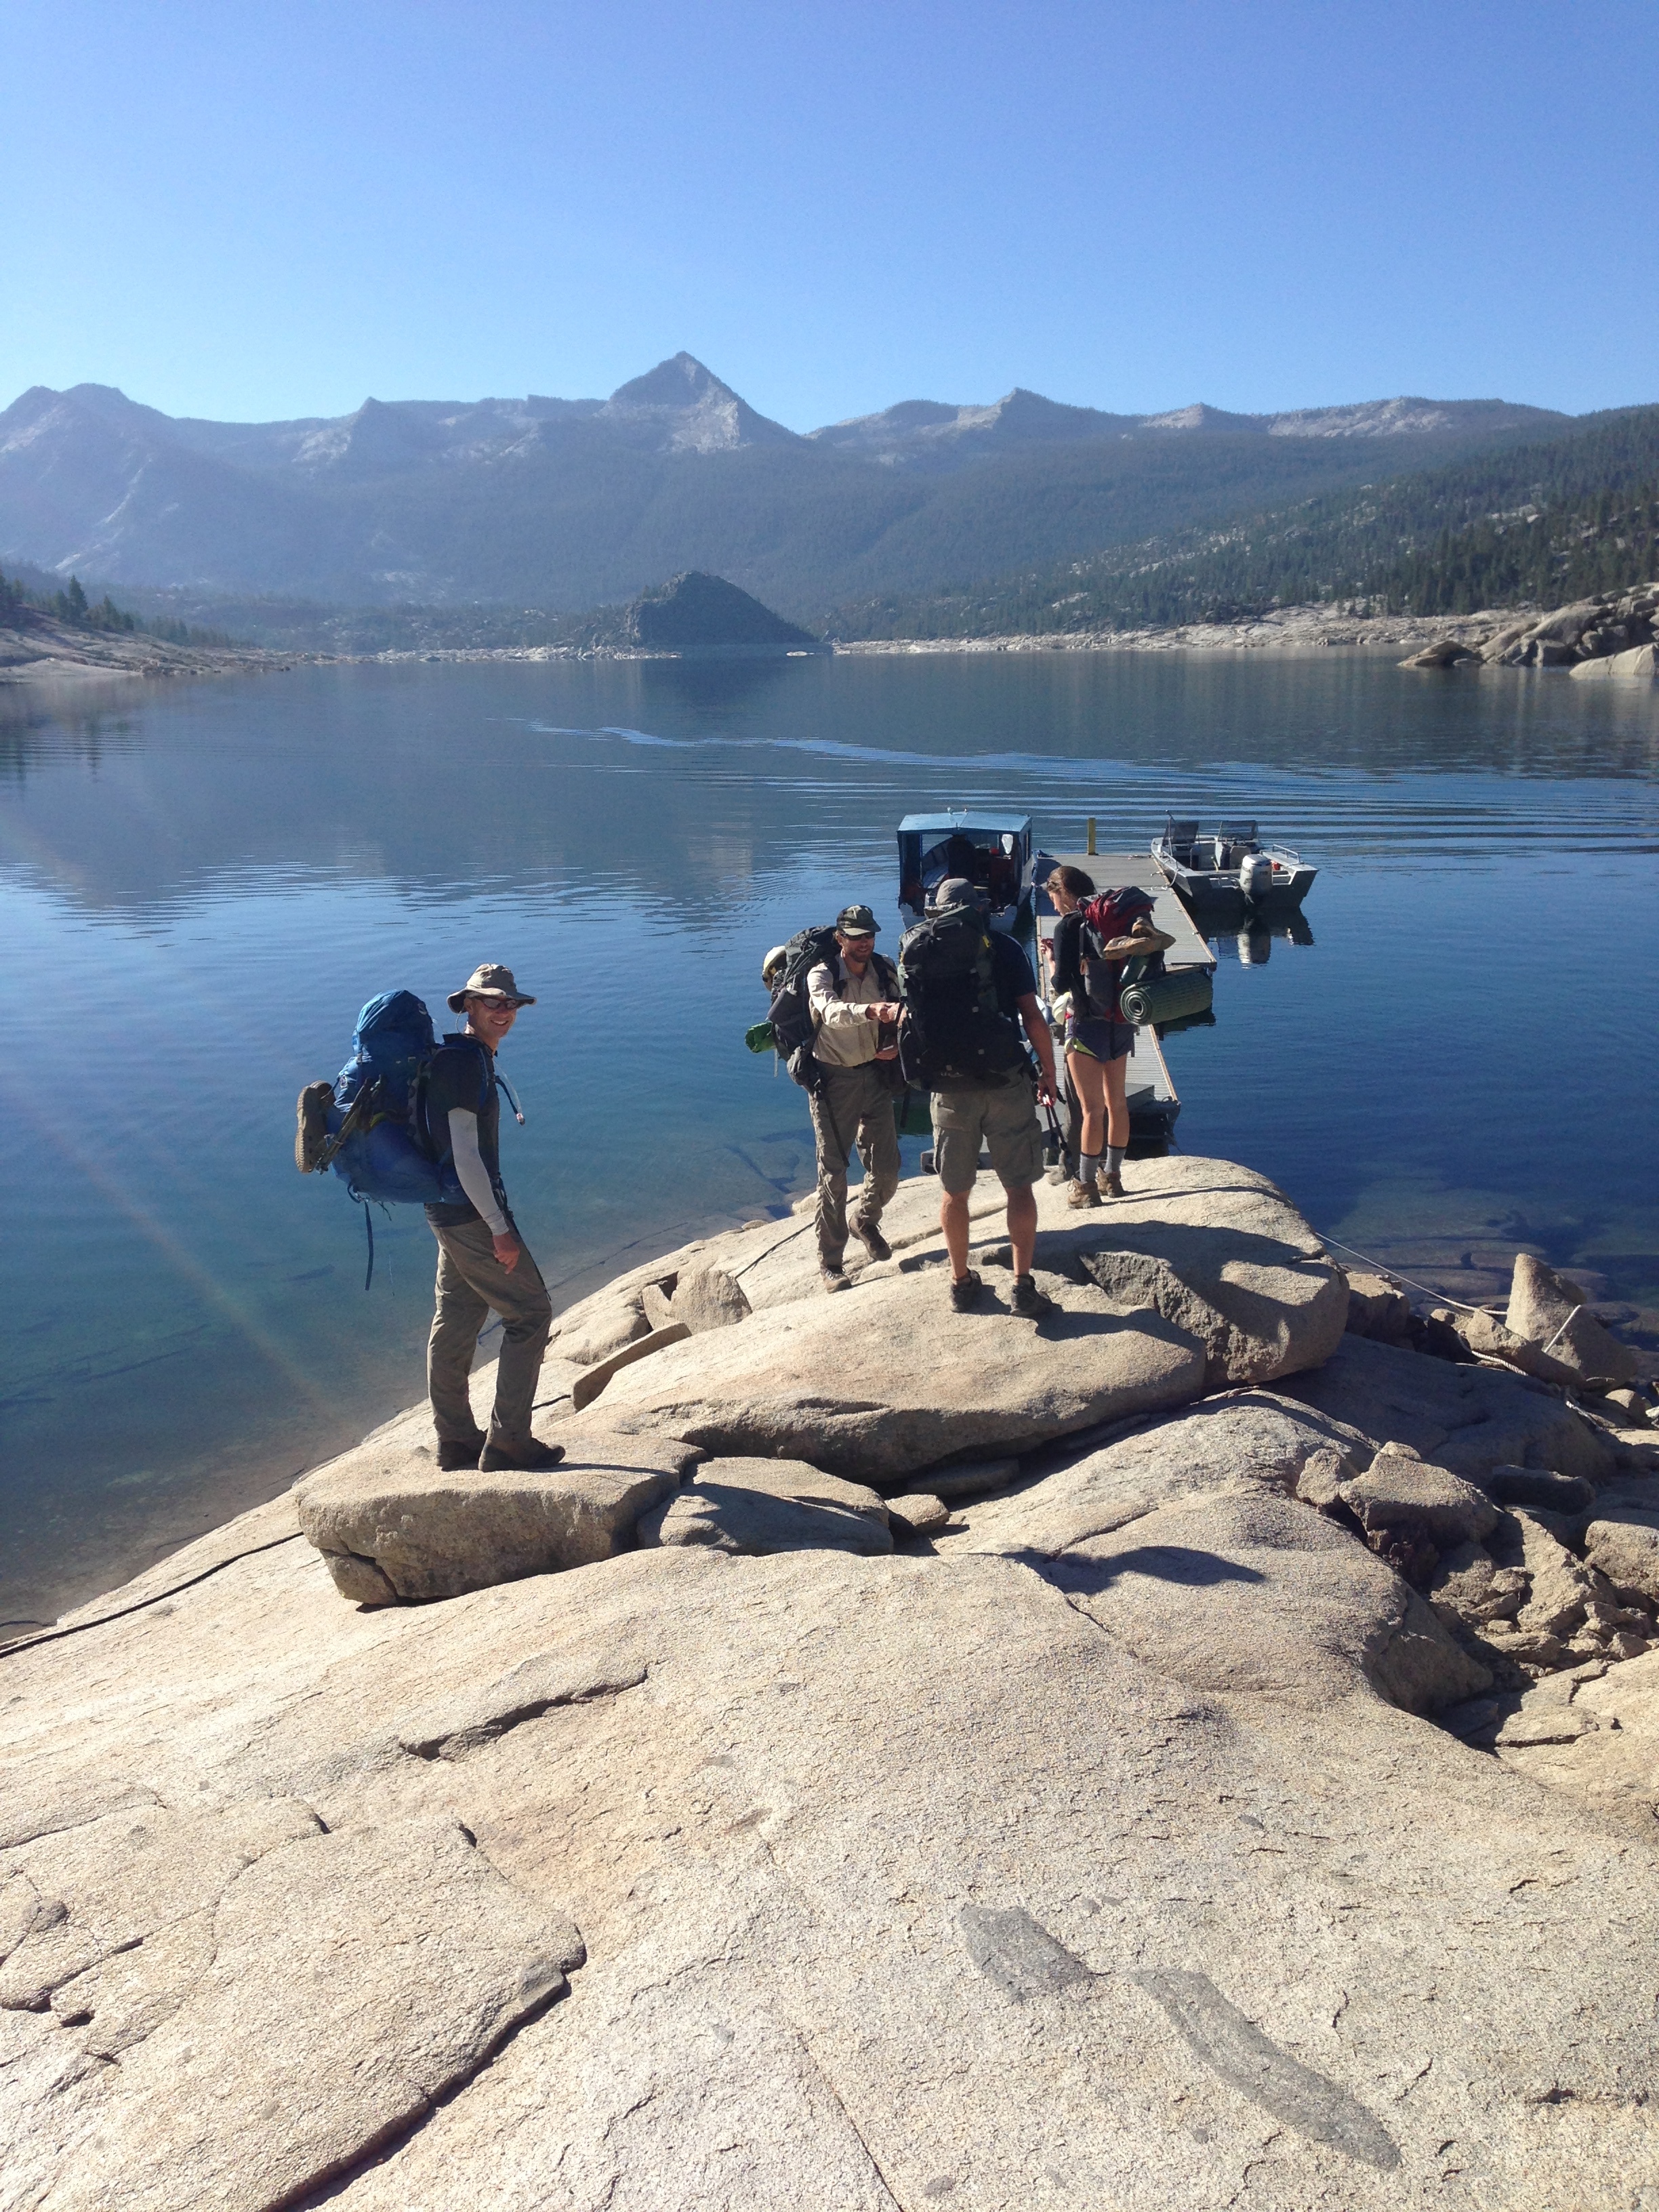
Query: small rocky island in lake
point(695, 613)
point(1198, 1746)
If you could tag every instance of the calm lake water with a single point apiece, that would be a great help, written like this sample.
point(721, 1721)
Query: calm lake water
point(200, 886)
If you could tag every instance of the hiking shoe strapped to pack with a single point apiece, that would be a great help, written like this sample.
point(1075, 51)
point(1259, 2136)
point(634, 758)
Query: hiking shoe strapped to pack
point(1029, 1302)
point(967, 1293)
point(871, 1239)
point(533, 1457)
point(311, 1136)
point(452, 1457)
point(1083, 1193)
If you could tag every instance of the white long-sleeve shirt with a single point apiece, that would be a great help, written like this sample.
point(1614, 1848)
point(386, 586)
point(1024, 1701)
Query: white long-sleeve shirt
point(845, 1035)
point(470, 1171)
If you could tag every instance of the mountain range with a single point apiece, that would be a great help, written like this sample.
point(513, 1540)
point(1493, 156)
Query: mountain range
point(568, 503)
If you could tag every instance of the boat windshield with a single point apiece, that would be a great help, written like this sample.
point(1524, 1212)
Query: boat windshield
point(989, 859)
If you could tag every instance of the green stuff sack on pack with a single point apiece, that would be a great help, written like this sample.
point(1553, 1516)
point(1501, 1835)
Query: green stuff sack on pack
point(1167, 998)
point(761, 1038)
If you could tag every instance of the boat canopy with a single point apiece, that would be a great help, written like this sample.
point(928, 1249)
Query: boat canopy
point(970, 824)
point(991, 850)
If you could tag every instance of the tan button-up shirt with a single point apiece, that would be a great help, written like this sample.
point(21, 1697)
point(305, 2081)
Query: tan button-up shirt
point(845, 1035)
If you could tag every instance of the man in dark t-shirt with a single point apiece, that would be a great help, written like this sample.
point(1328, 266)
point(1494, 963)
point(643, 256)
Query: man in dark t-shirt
point(482, 1261)
point(1001, 1114)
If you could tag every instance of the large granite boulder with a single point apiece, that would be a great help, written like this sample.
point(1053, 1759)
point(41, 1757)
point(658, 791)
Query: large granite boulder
point(878, 1386)
point(1622, 1543)
point(1547, 1311)
point(1400, 1491)
point(1637, 663)
point(392, 1528)
point(759, 1505)
point(1204, 1276)
point(1377, 1307)
point(1470, 1419)
point(1220, 1252)
point(1189, 1544)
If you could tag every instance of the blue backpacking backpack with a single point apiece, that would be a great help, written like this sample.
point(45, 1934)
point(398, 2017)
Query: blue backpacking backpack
point(385, 1151)
point(369, 1124)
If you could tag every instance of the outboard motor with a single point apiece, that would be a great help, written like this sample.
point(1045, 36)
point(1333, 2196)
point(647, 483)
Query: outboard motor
point(1255, 875)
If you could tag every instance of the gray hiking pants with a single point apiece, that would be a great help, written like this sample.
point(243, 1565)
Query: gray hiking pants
point(471, 1281)
point(852, 1105)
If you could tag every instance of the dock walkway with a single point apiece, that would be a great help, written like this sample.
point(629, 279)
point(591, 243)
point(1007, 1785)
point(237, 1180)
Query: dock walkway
point(1153, 1100)
point(1112, 869)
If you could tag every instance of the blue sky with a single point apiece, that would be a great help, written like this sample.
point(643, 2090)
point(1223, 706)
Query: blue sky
point(250, 212)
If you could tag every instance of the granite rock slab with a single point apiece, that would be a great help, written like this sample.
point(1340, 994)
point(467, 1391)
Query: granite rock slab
point(392, 1528)
point(899, 1879)
point(1470, 1419)
point(754, 1506)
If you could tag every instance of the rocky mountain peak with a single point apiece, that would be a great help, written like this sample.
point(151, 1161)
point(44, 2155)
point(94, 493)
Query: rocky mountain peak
point(680, 381)
point(685, 407)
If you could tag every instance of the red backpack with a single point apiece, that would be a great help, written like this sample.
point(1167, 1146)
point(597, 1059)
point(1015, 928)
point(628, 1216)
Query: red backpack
point(1111, 915)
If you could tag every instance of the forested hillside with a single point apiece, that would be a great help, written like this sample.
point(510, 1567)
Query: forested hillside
point(1539, 523)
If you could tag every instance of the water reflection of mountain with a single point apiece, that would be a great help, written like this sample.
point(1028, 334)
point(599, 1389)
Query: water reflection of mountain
point(681, 782)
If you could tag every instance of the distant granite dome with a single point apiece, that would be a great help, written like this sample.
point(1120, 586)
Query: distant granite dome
point(694, 612)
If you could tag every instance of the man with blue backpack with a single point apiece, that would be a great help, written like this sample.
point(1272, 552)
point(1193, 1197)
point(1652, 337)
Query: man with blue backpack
point(482, 1263)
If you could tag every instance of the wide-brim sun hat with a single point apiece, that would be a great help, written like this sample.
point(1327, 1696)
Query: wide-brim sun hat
point(491, 981)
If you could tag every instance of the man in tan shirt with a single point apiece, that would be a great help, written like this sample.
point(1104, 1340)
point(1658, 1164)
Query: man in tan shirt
point(855, 1011)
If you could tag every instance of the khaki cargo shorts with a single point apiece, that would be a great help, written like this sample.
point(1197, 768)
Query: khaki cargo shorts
point(1005, 1120)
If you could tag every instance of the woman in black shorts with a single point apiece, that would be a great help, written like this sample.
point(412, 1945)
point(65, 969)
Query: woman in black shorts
point(1097, 1042)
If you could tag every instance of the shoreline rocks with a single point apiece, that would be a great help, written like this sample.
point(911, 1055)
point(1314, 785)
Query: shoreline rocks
point(1609, 638)
point(705, 1848)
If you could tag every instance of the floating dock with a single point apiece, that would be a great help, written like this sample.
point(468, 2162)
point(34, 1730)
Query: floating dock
point(1111, 870)
point(1154, 1102)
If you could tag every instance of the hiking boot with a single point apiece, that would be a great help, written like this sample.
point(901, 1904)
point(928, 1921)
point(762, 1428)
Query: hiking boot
point(533, 1457)
point(872, 1240)
point(835, 1278)
point(966, 1293)
point(1083, 1193)
point(1111, 1184)
point(1028, 1300)
point(452, 1457)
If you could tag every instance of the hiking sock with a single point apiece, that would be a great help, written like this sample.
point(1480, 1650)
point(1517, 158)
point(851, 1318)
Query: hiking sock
point(1115, 1158)
point(1088, 1167)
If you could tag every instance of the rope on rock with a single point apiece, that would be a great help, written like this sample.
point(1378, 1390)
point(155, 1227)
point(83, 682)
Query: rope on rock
point(75, 1627)
point(1383, 1268)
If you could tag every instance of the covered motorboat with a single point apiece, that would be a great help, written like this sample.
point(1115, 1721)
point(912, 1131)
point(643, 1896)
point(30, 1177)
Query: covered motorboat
point(992, 850)
point(1230, 865)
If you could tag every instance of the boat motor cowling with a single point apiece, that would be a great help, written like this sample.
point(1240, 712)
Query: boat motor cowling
point(1255, 875)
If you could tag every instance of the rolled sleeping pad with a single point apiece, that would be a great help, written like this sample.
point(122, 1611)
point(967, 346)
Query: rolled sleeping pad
point(1167, 998)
